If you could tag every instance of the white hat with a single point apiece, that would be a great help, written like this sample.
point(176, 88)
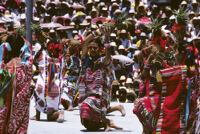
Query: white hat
point(94, 26)
point(85, 23)
point(101, 4)
point(89, 2)
point(194, 2)
point(36, 19)
point(118, 11)
point(113, 35)
point(123, 31)
point(88, 17)
point(121, 47)
point(122, 77)
point(74, 32)
point(143, 34)
point(115, 4)
point(191, 12)
point(129, 81)
point(23, 16)
point(7, 13)
point(172, 17)
point(72, 23)
point(183, 3)
point(132, 11)
point(104, 8)
point(113, 44)
point(94, 10)
point(113, 1)
point(52, 31)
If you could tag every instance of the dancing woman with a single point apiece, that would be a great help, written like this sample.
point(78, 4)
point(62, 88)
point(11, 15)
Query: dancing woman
point(94, 84)
point(15, 79)
point(47, 93)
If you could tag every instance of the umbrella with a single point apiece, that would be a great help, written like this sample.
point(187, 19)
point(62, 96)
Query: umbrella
point(77, 6)
point(2, 8)
point(123, 59)
point(50, 25)
point(144, 20)
point(65, 28)
point(101, 19)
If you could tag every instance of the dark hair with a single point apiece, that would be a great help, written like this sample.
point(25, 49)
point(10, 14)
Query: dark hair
point(98, 41)
point(16, 43)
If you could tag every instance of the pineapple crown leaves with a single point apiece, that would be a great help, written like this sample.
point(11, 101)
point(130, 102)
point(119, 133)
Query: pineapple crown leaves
point(122, 19)
point(181, 16)
point(21, 31)
point(155, 26)
point(36, 28)
point(119, 21)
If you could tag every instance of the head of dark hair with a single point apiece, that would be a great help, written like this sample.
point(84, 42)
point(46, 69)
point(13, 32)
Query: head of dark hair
point(16, 42)
point(98, 41)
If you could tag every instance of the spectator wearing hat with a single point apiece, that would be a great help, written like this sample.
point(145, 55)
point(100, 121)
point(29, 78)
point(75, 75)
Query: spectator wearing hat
point(141, 11)
point(122, 80)
point(195, 7)
point(184, 5)
point(94, 13)
point(131, 50)
point(117, 13)
point(113, 8)
point(121, 50)
point(124, 39)
point(131, 95)
point(115, 89)
point(122, 95)
point(84, 27)
point(126, 5)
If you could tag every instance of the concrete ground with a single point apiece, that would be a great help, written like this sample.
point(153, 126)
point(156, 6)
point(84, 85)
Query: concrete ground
point(72, 124)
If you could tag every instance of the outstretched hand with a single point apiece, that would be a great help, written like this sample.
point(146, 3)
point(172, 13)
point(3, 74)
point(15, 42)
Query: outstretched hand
point(106, 31)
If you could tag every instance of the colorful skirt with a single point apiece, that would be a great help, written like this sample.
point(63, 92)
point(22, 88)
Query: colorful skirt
point(14, 115)
point(91, 114)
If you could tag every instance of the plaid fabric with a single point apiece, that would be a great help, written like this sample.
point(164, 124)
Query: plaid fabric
point(91, 110)
point(147, 108)
point(171, 119)
point(95, 82)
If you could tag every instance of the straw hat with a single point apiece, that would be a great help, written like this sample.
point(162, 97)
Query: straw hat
point(123, 31)
point(141, 4)
point(89, 2)
point(72, 24)
point(194, 2)
point(85, 23)
point(118, 11)
point(129, 81)
point(113, 44)
point(113, 35)
point(121, 47)
point(122, 77)
point(115, 83)
point(7, 13)
point(115, 5)
point(183, 3)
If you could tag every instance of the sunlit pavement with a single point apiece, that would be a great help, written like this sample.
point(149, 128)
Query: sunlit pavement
point(72, 124)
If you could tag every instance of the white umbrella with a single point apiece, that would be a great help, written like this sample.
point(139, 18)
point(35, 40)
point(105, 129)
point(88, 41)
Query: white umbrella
point(123, 59)
point(50, 25)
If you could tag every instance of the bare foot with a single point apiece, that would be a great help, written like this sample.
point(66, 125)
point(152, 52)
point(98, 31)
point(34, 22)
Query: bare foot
point(70, 108)
point(112, 125)
point(61, 117)
point(107, 128)
point(122, 110)
point(35, 118)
